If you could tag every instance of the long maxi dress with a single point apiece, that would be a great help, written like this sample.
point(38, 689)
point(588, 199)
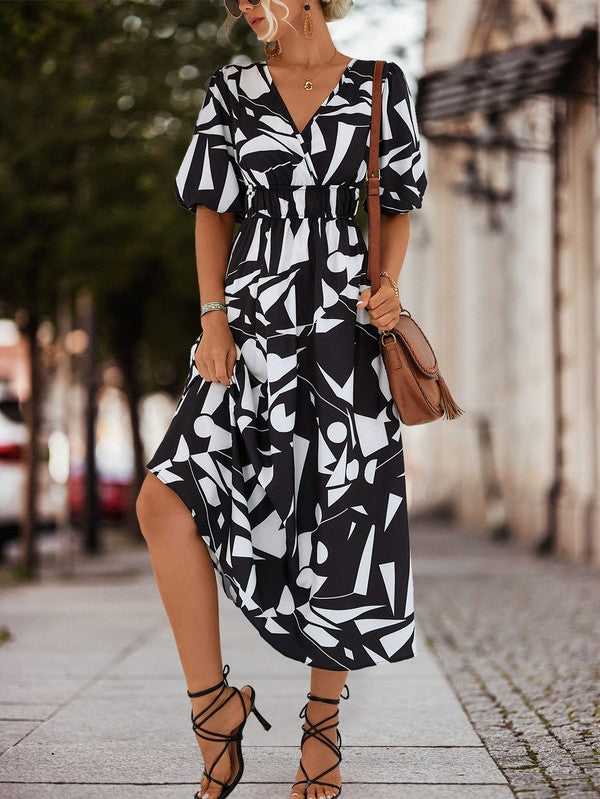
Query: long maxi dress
point(294, 473)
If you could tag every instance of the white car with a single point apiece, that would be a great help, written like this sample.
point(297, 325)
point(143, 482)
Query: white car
point(13, 441)
point(14, 436)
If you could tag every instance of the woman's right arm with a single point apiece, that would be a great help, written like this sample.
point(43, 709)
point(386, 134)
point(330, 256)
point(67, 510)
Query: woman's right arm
point(216, 353)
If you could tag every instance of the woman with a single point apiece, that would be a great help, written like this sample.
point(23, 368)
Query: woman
point(282, 468)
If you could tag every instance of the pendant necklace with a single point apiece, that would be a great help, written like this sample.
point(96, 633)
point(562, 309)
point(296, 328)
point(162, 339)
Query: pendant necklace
point(308, 81)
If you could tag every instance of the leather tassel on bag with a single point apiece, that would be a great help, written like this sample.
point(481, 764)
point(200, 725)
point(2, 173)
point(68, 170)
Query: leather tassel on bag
point(450, 407)
point(419, 391)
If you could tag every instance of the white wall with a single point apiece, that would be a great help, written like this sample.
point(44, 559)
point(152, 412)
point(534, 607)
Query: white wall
point(484, 298)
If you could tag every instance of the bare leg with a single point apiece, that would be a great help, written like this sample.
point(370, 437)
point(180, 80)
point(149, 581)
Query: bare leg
point(187, 584)
point(316, 757)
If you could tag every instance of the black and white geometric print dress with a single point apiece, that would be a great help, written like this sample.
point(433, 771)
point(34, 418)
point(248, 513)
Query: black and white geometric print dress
point(294, 473)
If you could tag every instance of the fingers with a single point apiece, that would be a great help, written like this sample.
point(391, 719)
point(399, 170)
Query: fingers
point(230, 361)
point(386, 321)
point(385, 296)
point(215, 363)
point(383, 307)
point(221, 370)
point(217, 370)
point(364, 297)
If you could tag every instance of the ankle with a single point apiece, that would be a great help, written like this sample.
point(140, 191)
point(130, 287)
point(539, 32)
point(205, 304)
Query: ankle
point(212, 686)
point(322, 709)
point(213, 701)
point(317, 712)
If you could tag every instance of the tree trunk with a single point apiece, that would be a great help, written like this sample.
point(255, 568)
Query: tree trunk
point(91, 538)
point(31, 412)
point(133, 394)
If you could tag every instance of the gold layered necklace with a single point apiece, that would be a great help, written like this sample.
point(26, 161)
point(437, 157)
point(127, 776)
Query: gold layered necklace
point(308, 81)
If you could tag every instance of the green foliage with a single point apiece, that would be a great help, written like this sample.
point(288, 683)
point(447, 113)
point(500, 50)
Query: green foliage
point(97, 106)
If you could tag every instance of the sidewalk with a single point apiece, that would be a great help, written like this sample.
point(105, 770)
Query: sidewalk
point(519, 638)
point(93, 700)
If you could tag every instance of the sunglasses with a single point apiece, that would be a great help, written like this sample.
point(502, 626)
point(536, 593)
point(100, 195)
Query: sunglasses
point(233, 6)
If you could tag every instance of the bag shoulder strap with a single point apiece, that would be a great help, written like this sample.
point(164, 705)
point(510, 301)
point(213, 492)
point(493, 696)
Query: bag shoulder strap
point(373, 204)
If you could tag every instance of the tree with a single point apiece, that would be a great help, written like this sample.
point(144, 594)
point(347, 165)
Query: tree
point(97, 105)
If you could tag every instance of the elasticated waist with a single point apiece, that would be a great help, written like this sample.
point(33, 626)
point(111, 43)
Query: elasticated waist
point(303, 201)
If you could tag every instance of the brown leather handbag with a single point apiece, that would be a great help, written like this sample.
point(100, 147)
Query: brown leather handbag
point(418, 389)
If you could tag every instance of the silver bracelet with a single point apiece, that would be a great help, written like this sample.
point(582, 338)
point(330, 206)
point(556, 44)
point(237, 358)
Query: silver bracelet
point(212, 306)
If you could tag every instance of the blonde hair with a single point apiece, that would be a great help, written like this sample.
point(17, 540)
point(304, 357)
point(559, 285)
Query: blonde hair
point(332, 10)
point(335, 9)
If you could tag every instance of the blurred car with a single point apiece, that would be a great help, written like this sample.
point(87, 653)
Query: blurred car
point(114, 458)
point(60, 471)
point(14, 438)
point(113, 495)
point(13, 443)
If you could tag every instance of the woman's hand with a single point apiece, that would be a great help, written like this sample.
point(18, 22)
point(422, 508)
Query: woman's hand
point(383, 307)
point(215, 354)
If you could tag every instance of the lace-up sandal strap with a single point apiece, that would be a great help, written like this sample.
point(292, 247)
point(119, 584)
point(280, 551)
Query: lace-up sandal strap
point(214, 735)
point(222, 682)
point(330, 701)
point(204, 715)
point(323, 773)
point(317, 780)
point(317, 731)
point(201, 717)
point(214, 779)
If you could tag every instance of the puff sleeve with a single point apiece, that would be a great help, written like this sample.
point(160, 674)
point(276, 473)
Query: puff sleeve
point(209, 173)
point(402, 179)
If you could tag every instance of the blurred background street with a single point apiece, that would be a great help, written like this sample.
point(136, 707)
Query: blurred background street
point(99, 306)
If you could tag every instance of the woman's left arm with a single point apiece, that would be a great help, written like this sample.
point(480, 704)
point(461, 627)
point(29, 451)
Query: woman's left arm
point(384, 307)
point(402, 184)
point(395, 231)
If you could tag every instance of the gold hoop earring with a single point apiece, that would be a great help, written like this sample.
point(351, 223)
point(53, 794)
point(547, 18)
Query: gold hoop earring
point(272, 48)
point(308, 23)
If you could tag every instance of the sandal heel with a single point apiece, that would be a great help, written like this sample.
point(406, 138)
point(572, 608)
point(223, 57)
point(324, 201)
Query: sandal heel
point(261, 718)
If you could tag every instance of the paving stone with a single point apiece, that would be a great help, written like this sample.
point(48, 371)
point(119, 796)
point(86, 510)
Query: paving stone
point(15, 711)
point(11, 732)
point(19, 688)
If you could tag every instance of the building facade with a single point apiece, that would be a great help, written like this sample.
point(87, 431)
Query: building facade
point(503, 270)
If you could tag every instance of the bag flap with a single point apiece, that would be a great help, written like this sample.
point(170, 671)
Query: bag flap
point(417, 345)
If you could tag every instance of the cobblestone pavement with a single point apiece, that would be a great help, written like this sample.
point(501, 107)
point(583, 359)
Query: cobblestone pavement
point(518, 636)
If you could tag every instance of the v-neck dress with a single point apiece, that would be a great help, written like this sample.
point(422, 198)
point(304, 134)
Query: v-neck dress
point(294, 473)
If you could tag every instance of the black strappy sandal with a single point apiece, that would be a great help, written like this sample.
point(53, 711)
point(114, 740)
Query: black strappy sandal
point(317, 731)
point(213, 735)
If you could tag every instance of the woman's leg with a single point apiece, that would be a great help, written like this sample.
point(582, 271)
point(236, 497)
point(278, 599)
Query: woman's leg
point(316, 756)
point(187, 584)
